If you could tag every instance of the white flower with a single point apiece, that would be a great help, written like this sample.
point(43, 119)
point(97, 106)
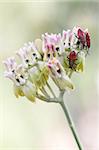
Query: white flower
point(10, 64)
point(78, 39)
point(59, 76)
point(22, 86)
point(66, 37)
point(36, 69)
point(29, 54)
point(55, 55)
point(52, 45)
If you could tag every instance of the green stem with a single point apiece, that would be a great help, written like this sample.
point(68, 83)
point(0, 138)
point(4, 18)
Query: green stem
point(47, 84)
point(70, 73)
point(44, 92)
point(45, 99)
point(66, 111)
point(71, 124)
point(50, 89)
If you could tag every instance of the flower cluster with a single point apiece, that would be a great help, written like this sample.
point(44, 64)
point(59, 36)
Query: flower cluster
point(54, 56)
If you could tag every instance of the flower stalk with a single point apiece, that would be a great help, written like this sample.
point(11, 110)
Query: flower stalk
point(55, 57)
point(60, 101)
point(71, 124)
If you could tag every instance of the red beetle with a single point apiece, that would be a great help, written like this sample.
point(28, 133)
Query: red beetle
point(72, 58)
point(88, 40)
point(84, 37)
point(81, 36)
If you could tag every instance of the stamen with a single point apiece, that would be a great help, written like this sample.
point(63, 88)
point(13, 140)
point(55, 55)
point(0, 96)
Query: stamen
point(21, 76)
point(17, 80)
point(27, 60)
point(48, 55)
point(59, 71)
point(34, 54)
point(57, 48)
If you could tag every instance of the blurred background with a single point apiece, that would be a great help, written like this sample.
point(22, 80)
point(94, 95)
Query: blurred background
point(43, 126)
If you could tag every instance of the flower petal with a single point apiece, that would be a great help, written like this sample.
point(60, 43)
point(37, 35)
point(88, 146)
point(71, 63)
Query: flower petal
point(18, 91)
point(81, 62)
point(29, 91)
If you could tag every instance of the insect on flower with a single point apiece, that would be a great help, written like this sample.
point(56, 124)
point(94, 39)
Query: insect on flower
point(51, 59)
point(80, 39)
point(54, 57)
point(72, 59)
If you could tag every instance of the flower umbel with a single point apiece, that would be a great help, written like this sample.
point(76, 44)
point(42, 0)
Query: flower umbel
point(53, 58)
point(56, 56)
